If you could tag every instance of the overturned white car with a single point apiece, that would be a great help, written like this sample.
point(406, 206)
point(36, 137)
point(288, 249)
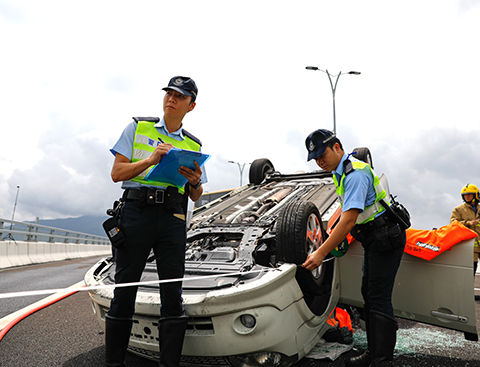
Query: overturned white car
point(248, 301)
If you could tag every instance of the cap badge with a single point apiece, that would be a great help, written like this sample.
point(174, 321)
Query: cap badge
point(311, 146)
point(178, 82)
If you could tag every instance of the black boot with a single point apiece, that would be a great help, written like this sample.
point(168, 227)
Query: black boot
point(383, 338)
point(117, 337)
point(171, 332)
point(365, 359)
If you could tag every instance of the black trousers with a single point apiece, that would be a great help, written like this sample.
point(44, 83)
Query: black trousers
point(145, 228)
point(380, 269)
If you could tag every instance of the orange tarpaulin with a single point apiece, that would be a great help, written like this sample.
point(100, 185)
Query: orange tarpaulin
point(341, 318)
point(428, 244)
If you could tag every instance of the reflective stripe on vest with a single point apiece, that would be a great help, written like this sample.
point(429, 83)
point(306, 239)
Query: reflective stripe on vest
point(145, 142)
point(370, 212)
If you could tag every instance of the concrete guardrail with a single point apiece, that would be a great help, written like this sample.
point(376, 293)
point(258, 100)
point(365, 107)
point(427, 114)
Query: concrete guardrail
point(19, 253)
point(26, 243)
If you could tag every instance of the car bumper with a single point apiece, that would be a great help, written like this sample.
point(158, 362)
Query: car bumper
point(268, 315)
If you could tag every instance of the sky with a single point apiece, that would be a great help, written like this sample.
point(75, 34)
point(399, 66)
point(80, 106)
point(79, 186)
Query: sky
point(73, 74)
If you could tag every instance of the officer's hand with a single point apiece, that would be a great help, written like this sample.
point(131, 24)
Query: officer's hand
point(159, 152)
point(314, 260)
point(193, 176)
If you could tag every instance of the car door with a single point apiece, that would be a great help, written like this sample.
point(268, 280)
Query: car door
point(438, 292)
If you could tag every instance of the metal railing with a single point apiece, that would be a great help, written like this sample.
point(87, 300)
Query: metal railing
point(32, 232)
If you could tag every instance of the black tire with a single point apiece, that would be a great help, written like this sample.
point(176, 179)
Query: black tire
point(364, 155)
point(259, 170)
point(300, 232)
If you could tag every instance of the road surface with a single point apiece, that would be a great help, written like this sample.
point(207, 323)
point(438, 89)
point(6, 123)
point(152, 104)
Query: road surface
point(67, 334)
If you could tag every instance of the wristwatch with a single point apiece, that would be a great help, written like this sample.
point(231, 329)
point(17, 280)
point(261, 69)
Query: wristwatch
point(197, 186)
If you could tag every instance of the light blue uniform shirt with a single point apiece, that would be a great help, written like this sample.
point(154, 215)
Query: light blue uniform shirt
point(359, 190)
point(124, 146)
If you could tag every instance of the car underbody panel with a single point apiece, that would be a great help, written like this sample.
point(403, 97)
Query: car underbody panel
point(249, 302)
point(235, 289)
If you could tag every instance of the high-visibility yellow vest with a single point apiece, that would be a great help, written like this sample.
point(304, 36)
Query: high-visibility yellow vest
point(145, 142)
point(371, 211)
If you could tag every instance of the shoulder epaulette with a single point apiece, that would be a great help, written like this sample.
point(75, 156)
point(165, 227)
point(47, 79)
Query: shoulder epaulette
point(347, 167)
point(193, 137)
point(151, 119)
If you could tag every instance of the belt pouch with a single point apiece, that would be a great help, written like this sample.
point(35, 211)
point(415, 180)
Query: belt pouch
point(396, 238)
point(361, 232)
point(382, 241)
point(113, 232)
point(356, 233)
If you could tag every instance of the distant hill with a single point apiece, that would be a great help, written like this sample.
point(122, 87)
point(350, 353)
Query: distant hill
point(90, 224)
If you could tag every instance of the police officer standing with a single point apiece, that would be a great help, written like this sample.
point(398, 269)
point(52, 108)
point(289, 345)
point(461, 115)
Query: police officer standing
point(360, 192)
point(153, 218)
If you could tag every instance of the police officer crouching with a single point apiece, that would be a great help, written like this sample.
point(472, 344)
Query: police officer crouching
point(153, 218)
point(360, 192)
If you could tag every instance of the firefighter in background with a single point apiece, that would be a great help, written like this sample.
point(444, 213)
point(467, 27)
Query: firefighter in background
point(468, 214)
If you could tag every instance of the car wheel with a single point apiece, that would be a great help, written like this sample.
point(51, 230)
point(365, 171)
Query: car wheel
point(299, 233)
point(364, 155)
point(259, 170)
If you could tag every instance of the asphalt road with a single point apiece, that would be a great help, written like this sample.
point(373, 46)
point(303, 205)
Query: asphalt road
point(67, 334)
point(54, 275)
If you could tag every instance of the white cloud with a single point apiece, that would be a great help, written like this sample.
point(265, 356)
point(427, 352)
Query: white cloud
point(73, 75)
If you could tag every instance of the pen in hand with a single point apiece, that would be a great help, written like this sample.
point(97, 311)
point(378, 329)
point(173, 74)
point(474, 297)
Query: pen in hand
point(161, 142)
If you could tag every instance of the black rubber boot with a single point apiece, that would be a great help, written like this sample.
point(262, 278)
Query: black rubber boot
point(117, 337)
point(383, 330)
point(365, 359)
point(171, 332)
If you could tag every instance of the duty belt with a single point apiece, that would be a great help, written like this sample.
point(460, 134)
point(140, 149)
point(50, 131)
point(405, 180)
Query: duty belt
point(153, 196)
point(362, 231)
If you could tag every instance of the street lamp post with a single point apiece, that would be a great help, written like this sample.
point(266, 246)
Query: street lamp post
point(240, 167)
point(9, 236)
point(14, 207)
point(334, 88)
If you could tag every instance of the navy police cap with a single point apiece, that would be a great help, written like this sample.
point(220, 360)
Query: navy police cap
point(183, 85)
point(317, 142)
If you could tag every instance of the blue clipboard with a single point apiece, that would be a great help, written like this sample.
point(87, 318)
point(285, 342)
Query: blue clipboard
point(167, 169)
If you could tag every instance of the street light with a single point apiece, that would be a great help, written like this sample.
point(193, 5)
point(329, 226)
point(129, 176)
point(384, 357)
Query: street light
point(9, 236)
point(240, 167)
point(334, 88)
point(14, 206)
